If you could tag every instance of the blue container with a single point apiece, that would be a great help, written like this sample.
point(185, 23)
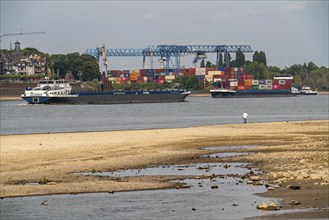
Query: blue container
point(201, 77)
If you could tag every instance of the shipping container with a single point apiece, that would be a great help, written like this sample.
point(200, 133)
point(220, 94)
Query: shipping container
point(261, 82)
point(282, 82)
point(261, 86)
point(215, 73)
point(255, 82)
point(234, 84)
point(268, 82)
point(250, 76)
point(143, 72)
point(275, 86)
point(200, 71)
point(162, 77)
point(209, 78)
point(241, 83)
point(241, 87)
point(169, 77)
point(191, 71)
point(268, 87)
point(248, 82)
point(255, 87)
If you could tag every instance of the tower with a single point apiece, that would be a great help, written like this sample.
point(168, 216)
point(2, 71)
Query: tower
point(17, 47)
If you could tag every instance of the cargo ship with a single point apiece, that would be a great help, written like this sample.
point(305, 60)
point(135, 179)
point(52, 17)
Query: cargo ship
point(60, 92)
point(234, 82)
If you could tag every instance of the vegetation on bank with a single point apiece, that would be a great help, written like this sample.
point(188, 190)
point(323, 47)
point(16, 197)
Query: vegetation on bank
point(85, 68)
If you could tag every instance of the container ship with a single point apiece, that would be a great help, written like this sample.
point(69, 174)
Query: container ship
point(234, 82)
point(60, 92)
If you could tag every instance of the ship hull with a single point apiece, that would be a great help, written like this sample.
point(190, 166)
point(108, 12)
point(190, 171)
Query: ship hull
point(253, 94)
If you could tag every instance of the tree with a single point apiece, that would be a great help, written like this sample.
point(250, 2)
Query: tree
point(273, 71)
point(221, 61)
point(59, 64)
point(256, 57)
point(74, 64)
point(209, 64)
point(259, 57)
point(239, 58)
point(90, 71)
point(263, 58)
point(311, 66)
point(259, 70)
point(202, 63)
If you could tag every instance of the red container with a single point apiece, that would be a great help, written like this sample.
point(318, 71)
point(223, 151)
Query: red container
point(162, 78)
point(241, 83)
point(276, 86)
point(250, 76)
point(191, 70)
point(142, 72)
point(241, 87)
point(275, 82)
point(217, 76)
point(248, 87)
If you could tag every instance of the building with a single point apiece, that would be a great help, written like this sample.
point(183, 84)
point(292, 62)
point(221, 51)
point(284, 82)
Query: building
point(17, 63)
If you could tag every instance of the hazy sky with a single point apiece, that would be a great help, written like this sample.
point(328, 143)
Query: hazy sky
point(292, 31)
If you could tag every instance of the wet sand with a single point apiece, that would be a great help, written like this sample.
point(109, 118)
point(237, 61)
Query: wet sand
point(288, 153)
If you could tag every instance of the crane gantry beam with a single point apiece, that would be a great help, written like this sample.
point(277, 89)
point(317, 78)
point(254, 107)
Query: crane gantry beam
point(165, 52)
point(20, 33)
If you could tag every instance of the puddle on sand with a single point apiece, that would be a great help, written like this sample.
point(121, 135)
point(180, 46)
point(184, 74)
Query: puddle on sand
point(227, 147)
point(199, 169)
point(226, 154)
point(230, 200)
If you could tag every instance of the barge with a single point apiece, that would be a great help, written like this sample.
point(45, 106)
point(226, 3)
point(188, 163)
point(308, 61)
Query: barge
point(60, 92)
point(239, 84)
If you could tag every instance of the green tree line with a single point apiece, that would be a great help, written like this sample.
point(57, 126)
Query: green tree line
point(303, 74)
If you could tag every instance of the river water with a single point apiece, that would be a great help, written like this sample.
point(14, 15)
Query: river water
point(17, 117)
point(232, 199)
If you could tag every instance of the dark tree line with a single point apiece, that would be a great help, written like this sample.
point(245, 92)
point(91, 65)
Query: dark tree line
point(83, 67)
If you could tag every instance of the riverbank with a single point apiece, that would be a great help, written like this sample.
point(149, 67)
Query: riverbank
point(288, 153)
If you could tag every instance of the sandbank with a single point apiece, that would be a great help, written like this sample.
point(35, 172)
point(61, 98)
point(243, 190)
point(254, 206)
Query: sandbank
point(286, 152)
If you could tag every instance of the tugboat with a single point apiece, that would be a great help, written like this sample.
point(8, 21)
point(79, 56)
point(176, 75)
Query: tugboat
point(60, 92)
point(307, 90)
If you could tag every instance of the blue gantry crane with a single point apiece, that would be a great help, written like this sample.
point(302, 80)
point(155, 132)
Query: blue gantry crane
point(167, 53)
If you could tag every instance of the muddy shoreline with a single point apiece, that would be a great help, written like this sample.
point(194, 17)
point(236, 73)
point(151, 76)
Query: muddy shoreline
point(288, 153)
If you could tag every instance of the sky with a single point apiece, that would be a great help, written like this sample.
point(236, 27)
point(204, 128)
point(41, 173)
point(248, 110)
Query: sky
point(290, 32)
